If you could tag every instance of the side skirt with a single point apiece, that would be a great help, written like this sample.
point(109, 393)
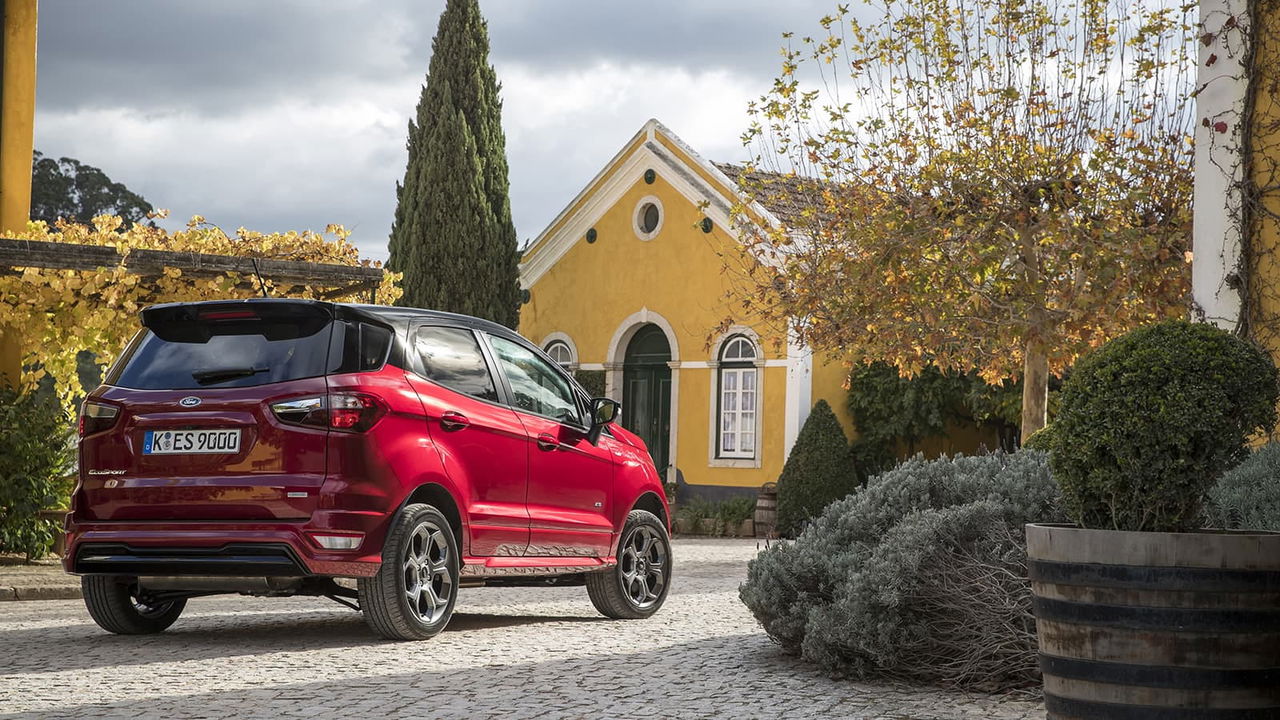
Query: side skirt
point(492, 569)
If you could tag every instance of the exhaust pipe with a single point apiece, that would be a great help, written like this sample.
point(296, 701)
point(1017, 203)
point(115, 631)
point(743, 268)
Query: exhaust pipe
point(198, 583)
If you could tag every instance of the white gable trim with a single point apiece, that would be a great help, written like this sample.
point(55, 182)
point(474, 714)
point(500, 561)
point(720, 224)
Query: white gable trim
point(617, 177)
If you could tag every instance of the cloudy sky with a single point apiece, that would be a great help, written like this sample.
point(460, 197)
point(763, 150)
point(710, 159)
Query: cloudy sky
point(292, 114)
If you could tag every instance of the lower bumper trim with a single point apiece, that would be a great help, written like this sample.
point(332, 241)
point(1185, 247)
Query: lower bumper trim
point(232, 559)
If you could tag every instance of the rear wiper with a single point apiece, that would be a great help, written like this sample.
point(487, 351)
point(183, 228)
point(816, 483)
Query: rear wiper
point(208, 377)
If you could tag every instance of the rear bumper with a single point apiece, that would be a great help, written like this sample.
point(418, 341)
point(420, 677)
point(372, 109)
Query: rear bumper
point(239, 549)
point(235, 559)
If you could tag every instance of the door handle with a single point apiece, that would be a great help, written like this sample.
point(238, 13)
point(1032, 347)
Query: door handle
point(547, 442)
point(451, 421)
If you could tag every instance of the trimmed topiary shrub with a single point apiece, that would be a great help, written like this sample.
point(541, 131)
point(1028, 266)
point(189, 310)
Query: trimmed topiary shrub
point(1248, 496)
point(36, 453)
point(818, 471)
point(1149, 421)
point(920, 575)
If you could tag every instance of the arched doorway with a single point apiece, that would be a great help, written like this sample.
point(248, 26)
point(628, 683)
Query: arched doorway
point(646, 391)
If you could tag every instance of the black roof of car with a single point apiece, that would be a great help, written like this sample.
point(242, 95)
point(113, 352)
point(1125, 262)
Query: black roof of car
point(405, 315)
point(398, 317)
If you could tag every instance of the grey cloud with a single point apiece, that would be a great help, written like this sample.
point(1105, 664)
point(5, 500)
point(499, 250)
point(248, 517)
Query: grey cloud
point(220, 57)
point(188, 102)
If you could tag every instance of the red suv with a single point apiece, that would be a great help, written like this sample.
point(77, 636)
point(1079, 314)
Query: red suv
point(271, 447)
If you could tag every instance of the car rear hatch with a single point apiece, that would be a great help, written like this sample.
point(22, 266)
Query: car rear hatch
point(191, 424)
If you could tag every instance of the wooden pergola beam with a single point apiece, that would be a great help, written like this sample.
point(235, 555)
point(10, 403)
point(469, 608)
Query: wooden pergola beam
point(70, 256)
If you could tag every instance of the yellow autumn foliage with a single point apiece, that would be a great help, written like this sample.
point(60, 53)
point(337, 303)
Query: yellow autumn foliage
point(56, 314)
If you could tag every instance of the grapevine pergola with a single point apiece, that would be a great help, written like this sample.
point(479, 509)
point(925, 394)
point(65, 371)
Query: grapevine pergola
point(339, 280)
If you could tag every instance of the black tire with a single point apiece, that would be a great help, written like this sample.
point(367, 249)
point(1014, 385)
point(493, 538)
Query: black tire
point(637, 586)
point(419, 555)
point(114, 603)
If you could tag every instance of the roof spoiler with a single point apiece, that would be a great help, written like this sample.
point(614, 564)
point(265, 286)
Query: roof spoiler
point(275, 319)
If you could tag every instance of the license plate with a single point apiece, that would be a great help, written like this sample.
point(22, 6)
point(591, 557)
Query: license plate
point(190, 442)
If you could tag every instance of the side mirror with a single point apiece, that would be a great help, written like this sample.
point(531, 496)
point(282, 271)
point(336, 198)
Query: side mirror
point(603, 412)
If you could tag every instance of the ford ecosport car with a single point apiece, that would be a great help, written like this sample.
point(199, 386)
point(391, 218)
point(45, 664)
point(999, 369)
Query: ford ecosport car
point(273, 447)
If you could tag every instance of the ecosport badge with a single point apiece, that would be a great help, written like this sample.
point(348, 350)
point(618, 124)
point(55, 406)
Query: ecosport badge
point(189, 401)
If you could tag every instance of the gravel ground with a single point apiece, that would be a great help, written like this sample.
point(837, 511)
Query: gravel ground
point(508, 653)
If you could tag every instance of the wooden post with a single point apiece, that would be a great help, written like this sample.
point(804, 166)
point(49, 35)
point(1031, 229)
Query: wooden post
point(17, 125)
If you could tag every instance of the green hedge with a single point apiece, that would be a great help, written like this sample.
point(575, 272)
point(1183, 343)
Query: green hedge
point(36, 455)
point(591, 380)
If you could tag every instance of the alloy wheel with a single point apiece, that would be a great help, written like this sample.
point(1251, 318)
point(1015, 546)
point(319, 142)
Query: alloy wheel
point(643, 562)
point(428, 583)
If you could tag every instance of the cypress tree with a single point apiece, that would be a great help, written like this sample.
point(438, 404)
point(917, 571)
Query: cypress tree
point(452, 236)
point(818, 472)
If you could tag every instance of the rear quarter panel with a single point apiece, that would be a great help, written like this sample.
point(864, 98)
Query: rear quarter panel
point(378, 470)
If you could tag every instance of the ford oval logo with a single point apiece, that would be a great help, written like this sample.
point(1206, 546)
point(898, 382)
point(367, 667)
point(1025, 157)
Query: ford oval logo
point(189, 401)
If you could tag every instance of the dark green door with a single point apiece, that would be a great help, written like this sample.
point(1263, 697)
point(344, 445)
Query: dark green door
point(646, 391)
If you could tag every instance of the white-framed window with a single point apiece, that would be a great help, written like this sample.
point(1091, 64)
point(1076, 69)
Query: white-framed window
point(648, 217)
point(559, 351)
point(738, 399)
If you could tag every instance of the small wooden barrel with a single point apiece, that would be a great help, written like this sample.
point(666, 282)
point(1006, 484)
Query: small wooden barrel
point(766, 517)
point(1169, 626)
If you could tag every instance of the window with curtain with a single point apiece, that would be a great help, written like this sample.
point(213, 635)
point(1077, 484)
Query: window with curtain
point(738, 399)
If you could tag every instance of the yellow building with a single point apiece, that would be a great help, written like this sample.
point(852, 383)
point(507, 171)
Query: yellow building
point(630, 280)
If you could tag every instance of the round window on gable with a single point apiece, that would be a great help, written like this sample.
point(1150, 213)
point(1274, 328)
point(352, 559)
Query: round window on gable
point(648, 218)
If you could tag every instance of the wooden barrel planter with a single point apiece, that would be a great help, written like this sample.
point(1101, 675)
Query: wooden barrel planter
point(766, 516)
point(1165, 626)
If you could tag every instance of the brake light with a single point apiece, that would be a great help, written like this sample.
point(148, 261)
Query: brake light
point(351, 412)
point(96, 417)
point(227, 314)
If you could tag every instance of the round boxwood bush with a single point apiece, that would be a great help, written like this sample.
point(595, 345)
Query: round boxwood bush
point(1150, 421)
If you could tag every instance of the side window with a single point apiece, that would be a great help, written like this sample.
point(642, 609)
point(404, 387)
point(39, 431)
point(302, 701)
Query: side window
point(538, 388)
point(375, 342)
point(358, 347)
point(452, 358)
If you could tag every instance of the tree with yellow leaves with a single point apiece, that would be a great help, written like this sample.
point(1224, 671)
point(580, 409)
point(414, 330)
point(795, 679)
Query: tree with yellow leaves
point(995, 186)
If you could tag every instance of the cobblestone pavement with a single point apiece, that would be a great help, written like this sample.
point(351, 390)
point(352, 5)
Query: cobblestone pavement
point(508, 653)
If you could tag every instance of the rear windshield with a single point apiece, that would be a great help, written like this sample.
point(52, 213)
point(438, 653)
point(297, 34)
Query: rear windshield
point(231, 357)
